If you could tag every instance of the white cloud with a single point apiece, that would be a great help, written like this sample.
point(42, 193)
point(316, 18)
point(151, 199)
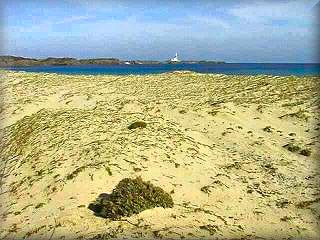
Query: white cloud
point(45, 26)
point(268, 11)
point(72, 19)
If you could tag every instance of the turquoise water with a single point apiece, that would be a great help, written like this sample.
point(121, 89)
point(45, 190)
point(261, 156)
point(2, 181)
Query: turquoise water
point(228, 68)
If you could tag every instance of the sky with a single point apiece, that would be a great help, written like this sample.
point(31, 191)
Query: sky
point(225, 30)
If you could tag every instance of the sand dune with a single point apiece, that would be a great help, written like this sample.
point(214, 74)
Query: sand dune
point(217, 143)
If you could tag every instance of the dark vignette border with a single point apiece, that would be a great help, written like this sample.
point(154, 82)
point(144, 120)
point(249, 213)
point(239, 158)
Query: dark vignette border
point(317, 39)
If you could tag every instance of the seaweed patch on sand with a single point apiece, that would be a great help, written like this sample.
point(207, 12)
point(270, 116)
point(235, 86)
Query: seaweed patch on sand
point(130, 196)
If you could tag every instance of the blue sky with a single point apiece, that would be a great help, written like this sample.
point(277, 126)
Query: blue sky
point(228, 30)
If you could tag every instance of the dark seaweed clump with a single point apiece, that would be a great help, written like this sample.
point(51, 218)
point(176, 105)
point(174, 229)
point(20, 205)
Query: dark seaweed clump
point(292, 148)
point(137, 125)
point(305, 152)
point(130, 196)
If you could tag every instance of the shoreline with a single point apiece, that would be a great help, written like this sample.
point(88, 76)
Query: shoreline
point(139, 73)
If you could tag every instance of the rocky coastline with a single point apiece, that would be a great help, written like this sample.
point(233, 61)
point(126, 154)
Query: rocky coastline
point(14, 61)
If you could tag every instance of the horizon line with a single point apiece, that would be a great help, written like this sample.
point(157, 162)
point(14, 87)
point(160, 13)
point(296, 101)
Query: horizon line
point(224, 61)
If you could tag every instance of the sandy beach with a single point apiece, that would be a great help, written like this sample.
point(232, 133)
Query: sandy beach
point(238, 154)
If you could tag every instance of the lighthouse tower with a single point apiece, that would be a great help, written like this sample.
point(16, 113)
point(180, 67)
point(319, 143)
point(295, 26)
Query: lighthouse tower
point(175, 59)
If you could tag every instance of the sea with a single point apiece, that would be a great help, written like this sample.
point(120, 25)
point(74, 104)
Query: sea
point(276, 69)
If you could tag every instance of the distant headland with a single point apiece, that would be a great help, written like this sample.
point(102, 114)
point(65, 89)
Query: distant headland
point(14, 61)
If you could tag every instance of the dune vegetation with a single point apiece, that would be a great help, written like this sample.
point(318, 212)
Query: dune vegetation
point(235, 156)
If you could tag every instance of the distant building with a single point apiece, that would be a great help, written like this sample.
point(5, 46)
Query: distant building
point(175, 59)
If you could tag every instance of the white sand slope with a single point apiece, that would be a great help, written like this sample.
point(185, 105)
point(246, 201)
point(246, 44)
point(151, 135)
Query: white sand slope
point(214, 141)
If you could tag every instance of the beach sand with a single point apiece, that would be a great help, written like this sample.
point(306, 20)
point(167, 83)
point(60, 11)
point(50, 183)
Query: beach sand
point(215, 142)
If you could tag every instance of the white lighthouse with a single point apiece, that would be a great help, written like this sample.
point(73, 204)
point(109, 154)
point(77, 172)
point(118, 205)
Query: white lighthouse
point(175, 59)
